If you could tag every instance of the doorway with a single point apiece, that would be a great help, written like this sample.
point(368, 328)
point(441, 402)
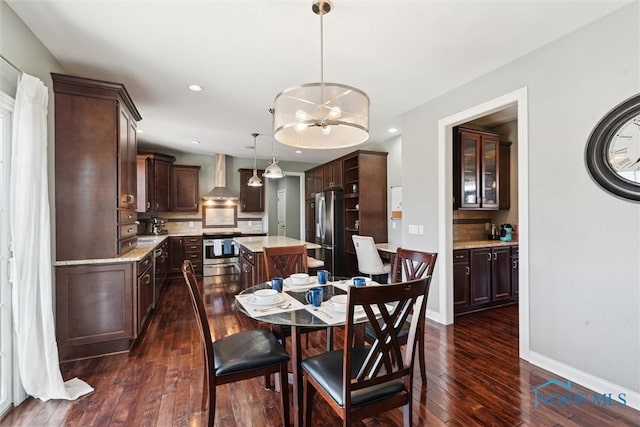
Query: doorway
point(518, 99)
point(281, 207)
point(6, 329)
point(293, 184)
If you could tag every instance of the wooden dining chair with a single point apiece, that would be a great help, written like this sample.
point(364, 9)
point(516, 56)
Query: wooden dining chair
point(237, 357)
point(409, 265)
point(282, 262)
point(361, 381)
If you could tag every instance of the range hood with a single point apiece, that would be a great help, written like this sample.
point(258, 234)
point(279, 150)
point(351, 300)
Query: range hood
point(220, 191)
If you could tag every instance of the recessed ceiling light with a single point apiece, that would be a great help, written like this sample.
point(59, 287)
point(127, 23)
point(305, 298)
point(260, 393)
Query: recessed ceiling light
point(393, 130)
point(298, 151)
point(195, 141)
point(196, 88)
point(139, 131)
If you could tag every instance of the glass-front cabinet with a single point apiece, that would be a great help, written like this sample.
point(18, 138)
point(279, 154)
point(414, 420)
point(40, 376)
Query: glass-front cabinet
point(481, 175)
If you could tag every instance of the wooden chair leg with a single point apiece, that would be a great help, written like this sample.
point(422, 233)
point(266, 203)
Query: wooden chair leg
point(421, 355)
point(267, 382)
point(284, 393)
point(212, 407)
point(309, 392)
point(205, 387)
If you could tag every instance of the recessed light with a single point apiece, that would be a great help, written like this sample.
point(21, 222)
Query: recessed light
point(196, 88)
point(139, 131)
point(393, 130)
point(195, 141)
point(298, 152)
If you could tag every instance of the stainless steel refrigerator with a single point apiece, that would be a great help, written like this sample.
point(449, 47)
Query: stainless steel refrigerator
point(330, 230)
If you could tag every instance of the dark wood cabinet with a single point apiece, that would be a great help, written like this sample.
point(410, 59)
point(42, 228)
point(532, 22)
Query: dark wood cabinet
point(251, 267)
point(251, 198)
point(308, 184)
point(515, 271)
point(483, 278)
point(461, 278)
point(185, 247)
point(318, 180)
point(95, 174)
point(94, 309)
point(144, 290)
point(154, 182)
point(161, 269)
point(185, 189)
point(332, 175)
point(310, 220)
point(481, 170)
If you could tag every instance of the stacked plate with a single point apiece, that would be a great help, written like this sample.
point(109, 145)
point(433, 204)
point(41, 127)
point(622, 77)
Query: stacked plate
point(265, 297)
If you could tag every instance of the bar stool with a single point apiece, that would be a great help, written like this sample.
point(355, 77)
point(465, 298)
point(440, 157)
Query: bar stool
point(369, 261)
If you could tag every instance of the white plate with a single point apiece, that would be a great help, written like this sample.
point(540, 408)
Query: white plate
point(309, 281)
point(252, 300)
point(342, 308)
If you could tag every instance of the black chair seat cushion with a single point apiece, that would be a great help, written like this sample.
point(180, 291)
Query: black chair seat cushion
point(326, 369)
point(371, 335)
point(247, 350)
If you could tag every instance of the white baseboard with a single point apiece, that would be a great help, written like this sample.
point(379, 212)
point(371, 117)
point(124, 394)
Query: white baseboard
point(435, 316)
point(585, 379)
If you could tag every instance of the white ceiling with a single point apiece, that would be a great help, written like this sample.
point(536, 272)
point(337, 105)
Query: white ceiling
point(401, 52)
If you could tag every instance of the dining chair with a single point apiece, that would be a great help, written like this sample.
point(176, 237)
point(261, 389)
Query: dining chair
point(409, 265)
point(236, 357)
point(361, 381)
point(282, 262)
point(369, 261)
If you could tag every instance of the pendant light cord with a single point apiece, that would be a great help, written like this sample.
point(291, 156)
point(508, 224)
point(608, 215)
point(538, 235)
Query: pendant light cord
point(321, 60)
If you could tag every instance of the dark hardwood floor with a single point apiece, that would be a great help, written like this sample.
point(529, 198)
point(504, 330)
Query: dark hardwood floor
point(474, 378)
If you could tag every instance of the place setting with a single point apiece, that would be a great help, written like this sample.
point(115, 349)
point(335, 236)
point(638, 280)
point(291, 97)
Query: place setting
point(299, 281)
point(269, 301)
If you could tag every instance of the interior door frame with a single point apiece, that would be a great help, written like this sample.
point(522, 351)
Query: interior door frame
point(300, 176)
point(445, 202)
point(282, 192)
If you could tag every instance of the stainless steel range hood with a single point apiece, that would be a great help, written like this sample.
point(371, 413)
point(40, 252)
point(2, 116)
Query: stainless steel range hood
point(220, 191)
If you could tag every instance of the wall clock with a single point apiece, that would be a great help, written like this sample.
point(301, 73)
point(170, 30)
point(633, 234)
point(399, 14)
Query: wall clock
point(613, 150)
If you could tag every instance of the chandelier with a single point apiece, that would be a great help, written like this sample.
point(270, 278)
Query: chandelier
point(321, 115)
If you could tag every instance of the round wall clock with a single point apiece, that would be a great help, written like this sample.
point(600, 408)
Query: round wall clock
point(613, 150)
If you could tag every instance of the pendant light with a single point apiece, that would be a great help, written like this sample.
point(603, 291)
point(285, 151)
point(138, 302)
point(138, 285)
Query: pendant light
point(321, 115)
point(273, 170)
point(255, 180)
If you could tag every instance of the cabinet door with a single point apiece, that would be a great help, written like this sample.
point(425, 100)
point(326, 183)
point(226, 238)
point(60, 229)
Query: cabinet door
point(515, 270)
point(501, 273)
point(126, 197)
point(318, 180)
point(185, 188)
point(310, 221)
point(246, 273)
point(251, 198)
point(308, 185)
point(336, 171)
point(461, 279)
point(480, 275)
point(161, 186)
point(489, 172)
point(145, 298)
point(469, 169)
point(176, 254)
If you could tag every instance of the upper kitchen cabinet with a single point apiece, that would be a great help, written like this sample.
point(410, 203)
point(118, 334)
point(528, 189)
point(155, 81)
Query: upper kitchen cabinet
point(95, 168)
point(154, 182)
point(481, 170)
point(332, 175)
point(251, 198)
point(184, 188)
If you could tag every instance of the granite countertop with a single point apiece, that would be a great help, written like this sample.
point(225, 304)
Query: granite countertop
point(146, 244)
point(470, 244)
point(256, 243)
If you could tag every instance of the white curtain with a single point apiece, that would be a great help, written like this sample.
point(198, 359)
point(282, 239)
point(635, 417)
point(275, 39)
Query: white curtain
point(29, 231)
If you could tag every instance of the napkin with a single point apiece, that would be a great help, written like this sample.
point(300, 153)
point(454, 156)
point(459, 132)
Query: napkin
point(288, 304)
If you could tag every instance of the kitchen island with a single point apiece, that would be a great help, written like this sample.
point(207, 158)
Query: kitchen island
point(251, 257)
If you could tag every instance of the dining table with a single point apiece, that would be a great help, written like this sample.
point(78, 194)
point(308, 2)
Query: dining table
point(291, 309)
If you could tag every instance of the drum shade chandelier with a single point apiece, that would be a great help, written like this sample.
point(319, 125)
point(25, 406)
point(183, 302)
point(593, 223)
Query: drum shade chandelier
point(321, 115)
point(255, 180)
point(273, 170)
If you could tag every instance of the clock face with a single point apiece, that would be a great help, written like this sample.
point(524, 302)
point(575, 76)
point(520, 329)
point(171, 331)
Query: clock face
point(612, 154)
point(623, 154)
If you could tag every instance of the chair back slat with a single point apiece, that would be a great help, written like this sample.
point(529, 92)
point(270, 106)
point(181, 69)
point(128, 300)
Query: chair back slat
point(409, 264)
point(385, 360)
point(201, 315)
point(285, 260)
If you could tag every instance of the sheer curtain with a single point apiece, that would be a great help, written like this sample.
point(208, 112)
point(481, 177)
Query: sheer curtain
point(29, 231)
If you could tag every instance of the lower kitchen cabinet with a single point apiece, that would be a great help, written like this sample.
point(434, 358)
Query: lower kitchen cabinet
point(145, 291)
point(515, 271)
point(251, 267)
point(483, 278)
point(162, 270)
point(185, 247)
point(95, 309)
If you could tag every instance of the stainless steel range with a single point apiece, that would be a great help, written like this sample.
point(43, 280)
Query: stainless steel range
point(220, 254)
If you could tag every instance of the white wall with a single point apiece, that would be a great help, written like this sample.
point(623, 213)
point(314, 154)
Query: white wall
point(584, 244)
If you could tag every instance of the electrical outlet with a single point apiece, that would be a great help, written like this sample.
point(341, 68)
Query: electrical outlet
point(190, 224)
point(249, 223)
point(421, 229)
point(413, 229)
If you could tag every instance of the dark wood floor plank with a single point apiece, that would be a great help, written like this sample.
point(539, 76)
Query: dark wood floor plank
point(474, 377)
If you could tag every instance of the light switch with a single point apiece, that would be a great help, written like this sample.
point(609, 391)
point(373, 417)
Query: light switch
point(393, 225)
point(413, 229)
